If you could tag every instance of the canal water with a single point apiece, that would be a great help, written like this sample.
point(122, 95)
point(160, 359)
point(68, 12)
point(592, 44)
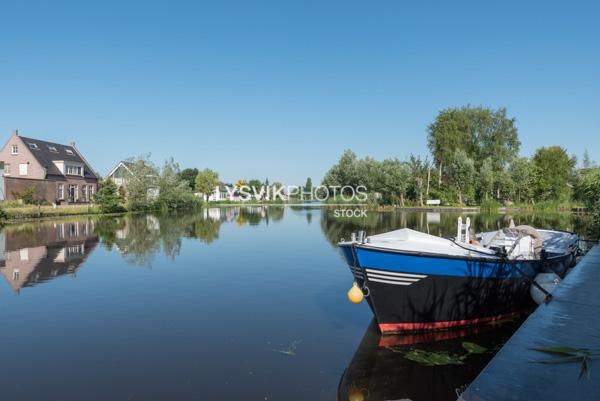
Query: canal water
point(227, 304)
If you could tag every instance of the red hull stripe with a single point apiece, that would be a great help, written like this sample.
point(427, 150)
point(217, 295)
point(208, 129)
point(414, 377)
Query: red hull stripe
point(395, 327)
point(425, 337)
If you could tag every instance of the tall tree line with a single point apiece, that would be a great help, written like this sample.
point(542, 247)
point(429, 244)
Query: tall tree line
point(474, 158)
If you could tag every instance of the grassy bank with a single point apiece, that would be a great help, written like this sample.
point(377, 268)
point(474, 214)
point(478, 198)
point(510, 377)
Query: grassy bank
point(34, 211)
point(13, 212)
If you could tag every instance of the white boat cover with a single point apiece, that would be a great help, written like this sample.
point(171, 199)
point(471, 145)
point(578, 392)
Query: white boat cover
point(557, 242)
point(409, 240)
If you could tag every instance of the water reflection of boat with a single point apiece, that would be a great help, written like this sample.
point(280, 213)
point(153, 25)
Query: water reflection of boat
point(45, 252)
point(381, 369)
point(417, 281)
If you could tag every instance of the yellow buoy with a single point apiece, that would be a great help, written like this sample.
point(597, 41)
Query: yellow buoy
point(355, 395)
point(355, 294)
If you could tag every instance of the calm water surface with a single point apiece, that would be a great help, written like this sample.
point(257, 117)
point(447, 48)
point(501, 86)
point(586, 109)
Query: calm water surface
point(228, 304)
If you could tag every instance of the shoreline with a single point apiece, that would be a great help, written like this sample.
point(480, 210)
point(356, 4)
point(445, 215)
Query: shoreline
point(35, 213)
point(388, 208)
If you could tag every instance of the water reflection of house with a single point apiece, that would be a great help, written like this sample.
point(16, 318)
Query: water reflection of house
point(152, 224)
point(134, 232)
point(47, 251)
point(213, 213)
point(231, 213)
point(222, 214)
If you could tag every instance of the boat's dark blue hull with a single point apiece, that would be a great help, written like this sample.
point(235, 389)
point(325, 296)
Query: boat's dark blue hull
point(409, 291)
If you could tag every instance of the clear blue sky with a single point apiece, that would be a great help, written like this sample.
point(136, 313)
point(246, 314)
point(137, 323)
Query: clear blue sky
point(279, 89)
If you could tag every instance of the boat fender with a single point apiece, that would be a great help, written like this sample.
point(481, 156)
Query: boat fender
point(355, 294)
point(356, 394)
point(548, 281)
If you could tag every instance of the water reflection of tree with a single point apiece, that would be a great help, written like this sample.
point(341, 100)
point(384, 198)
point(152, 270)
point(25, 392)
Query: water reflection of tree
point(135, 237)
point(207, 230)
point(140, 237)
point(441, 224)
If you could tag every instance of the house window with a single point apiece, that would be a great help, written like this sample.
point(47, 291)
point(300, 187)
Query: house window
point(60, 191)
point(7, 168)
point(52, 149)
point(69, 151)
point(73, 230)
point(84, 193)
point(74, 250)
point(91, 190)
point(60, 231)
point(14, 150)
point(33, 146)
point(23, 167)
point(74, 170)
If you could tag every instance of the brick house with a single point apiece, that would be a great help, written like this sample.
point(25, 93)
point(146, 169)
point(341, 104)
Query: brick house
point(57, 173)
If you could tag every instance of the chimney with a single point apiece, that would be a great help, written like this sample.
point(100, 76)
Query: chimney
point(16, 132)
point(72, 144)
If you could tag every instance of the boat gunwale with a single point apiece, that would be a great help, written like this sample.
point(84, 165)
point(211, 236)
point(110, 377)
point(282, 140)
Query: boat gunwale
point(491, 259)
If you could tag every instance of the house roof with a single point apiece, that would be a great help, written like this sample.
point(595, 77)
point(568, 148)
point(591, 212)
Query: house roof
point(127, 164)
point(130, 166)
point(45, 156)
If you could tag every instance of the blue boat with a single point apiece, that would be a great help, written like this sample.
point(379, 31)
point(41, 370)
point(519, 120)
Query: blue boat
point(415, 281)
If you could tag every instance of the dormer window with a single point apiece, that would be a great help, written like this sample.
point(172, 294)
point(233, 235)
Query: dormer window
point(14, 150)
point(52, 149)
point(74, 170)
point(33, 146)
point(69, 151)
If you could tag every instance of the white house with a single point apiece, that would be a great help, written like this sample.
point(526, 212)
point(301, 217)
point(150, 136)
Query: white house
point(232, 194)
point(123, 172)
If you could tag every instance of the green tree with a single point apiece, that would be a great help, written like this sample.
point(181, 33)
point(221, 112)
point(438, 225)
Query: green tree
point(418, 173)
point(108, 198)
point(174, 191)
point(397, 178)
point(553, 172)
point(522, 174)
point(588, 191)
point(479, 131)
point(505, 186)
point(142, 185)
point(206, 181)
point(255, 184)
point(308, 187)
point(344, 172)
point(462, 171)
point(256, 187)
point(485, 179)
point(587, 160)
point(189, 175)
point(588, 187)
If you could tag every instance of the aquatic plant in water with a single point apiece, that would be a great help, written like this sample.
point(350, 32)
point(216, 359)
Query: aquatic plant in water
point(566, 354)
point(429, 358)
point(290, 350)
point(440, 358)
point(473, 348)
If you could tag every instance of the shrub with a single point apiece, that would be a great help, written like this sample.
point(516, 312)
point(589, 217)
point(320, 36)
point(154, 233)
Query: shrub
point(27, 196)
point(108, 197)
